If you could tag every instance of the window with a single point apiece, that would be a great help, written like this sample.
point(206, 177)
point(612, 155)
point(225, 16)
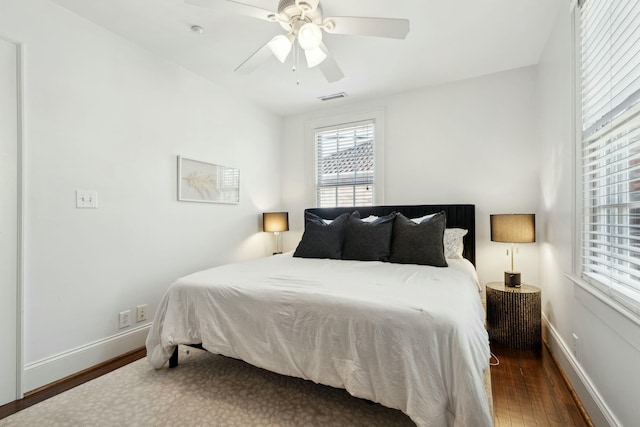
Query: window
point(345, 164)
point(609, 33)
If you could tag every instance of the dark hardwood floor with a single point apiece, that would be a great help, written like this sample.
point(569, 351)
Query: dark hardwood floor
point(528, 389)
point(50, 390)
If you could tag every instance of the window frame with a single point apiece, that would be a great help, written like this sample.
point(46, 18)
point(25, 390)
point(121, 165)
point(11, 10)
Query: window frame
point(606, 293)
point(336, 120)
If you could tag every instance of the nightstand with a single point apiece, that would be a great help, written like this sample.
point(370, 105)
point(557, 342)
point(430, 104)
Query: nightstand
point(514, 315)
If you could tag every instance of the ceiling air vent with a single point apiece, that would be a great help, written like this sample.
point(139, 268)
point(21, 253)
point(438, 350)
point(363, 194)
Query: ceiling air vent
point(332, 97)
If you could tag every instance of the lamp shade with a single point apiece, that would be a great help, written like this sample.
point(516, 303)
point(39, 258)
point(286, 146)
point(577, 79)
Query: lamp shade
point(513, 228)
point(309, 36)
point(314, 56)
point(275, 221)
point(281, 46)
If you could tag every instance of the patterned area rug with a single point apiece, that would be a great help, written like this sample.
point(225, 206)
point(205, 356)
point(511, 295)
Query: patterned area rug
point(204, 390)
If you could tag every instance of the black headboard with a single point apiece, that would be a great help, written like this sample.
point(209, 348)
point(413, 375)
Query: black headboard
point(458, 216)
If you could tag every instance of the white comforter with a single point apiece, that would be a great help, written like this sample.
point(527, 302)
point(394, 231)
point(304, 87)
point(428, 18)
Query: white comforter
point(409, 337)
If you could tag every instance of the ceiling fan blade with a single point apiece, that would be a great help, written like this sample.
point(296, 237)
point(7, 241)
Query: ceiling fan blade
point(329, 67)
point(235, 7)
point(254, 61)
point(361, 26)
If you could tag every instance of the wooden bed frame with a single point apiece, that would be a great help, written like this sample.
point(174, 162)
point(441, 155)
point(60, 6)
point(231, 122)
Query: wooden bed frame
point(458, 216)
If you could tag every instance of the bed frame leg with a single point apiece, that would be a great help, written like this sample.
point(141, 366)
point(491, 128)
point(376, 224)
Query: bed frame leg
point(173, 360)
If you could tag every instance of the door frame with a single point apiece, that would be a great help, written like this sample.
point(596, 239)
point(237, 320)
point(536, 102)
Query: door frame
point(20, 202)
point(21, 223)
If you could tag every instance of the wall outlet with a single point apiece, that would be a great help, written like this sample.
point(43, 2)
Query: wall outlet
point(141, 313)
point(125, 319)
point(86, 199)
point(576, 346)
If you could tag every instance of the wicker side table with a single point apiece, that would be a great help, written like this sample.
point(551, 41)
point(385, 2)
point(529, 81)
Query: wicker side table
point(514, 315)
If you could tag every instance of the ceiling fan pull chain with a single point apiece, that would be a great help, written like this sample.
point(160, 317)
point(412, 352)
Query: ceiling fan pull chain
point(296, 58)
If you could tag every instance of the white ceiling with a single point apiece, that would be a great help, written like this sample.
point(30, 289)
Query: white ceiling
point(448, 41)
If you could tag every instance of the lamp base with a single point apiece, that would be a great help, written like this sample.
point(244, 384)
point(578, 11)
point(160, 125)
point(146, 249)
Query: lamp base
point(512, 279)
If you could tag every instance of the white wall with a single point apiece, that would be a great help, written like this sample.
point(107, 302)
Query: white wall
point(606, 373)
point(103, 114)
point(467, 142)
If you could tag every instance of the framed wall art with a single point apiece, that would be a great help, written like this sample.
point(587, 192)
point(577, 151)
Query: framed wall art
point(200, 181)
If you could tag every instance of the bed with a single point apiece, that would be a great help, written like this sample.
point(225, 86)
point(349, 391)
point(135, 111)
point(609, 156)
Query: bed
point(410, 337)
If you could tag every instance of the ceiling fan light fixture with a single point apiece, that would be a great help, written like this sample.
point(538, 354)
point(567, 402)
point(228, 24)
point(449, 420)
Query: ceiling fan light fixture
point(281, 46)
point(309, 36)
point(303, 21)
point(314, 56)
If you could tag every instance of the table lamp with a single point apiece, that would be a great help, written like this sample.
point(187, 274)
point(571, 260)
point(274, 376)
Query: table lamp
point(275, 222)
point(513, 228)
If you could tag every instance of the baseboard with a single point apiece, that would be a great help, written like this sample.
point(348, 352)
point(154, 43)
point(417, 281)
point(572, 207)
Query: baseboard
point(56, 367)
point(590, 399)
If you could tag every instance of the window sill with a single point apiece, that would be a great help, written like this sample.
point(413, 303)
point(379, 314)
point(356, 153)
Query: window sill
point(606, 299)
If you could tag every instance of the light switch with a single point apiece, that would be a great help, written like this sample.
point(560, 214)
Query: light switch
point(86, 199)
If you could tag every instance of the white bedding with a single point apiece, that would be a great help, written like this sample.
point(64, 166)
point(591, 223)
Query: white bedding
point(409, 337)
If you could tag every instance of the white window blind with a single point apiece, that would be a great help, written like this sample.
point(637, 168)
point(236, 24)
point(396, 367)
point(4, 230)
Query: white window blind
point(345, 165)
point(610, 68)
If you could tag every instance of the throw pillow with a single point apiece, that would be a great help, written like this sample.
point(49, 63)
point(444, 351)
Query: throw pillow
point(368, 241)
point(419, 243)
point(322, 240)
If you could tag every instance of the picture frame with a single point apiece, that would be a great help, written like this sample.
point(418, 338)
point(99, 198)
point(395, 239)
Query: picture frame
point(205, 182)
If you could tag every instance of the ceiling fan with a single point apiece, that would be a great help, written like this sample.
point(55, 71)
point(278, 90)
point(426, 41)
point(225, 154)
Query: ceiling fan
point(304, 24)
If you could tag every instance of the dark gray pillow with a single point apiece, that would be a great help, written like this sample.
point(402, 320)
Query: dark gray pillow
point(419, 243)
point(368, 241)
point(322, 240)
